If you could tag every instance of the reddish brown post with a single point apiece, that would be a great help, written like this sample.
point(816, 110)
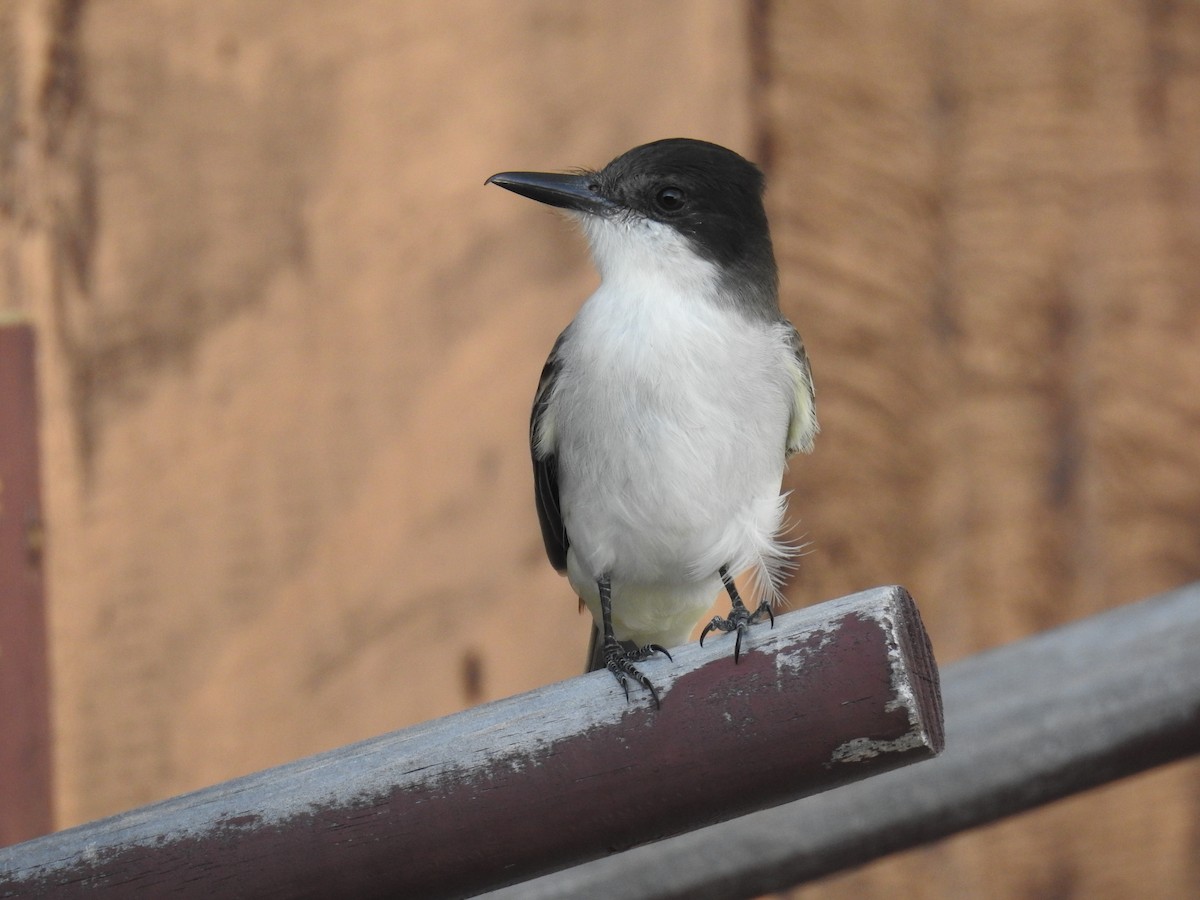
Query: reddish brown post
point(25, 799)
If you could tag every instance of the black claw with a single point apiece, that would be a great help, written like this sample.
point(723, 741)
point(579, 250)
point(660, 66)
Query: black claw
point(653, 693)
point(646, 652)
point(739, 620)
point(624, 682)
point(763, 607)
point(620, 662)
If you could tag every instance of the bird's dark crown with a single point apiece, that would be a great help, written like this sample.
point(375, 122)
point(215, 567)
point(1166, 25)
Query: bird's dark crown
point(706, 192)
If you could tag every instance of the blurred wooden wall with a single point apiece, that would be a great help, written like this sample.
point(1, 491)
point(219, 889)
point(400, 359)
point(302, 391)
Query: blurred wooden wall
point(289, 342)
point(989, 217)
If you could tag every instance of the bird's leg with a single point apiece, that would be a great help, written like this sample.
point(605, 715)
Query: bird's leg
point(739, 619)
point(617, 658)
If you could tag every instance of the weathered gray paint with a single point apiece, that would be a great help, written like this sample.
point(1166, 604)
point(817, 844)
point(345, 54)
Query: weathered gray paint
point(1026, 724)
point(533, 783)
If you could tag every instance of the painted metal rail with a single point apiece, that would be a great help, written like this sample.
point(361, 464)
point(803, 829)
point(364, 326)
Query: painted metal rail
point(1026, 724)
point(535, 783)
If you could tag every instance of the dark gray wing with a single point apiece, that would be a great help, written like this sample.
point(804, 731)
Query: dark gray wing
point(545, 464)
point(802, 426)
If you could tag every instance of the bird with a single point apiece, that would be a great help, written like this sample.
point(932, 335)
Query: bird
point(669, 406)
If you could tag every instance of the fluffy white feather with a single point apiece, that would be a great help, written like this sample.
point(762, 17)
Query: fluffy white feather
point(671, 418)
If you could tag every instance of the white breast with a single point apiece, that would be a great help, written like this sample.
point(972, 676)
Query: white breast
point(670, 419)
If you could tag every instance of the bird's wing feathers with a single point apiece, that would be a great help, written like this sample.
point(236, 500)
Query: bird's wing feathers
point(802, 427)
point(543, 449)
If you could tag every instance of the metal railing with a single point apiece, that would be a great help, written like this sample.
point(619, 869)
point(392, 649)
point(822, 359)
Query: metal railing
point(1026, 723)
point(534, 783)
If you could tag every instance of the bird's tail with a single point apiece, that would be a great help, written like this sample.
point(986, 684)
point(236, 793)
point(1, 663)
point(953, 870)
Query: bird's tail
point(769, 573)
point(772, 563)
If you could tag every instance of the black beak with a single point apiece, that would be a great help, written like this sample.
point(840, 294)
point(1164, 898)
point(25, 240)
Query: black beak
point(577, 192)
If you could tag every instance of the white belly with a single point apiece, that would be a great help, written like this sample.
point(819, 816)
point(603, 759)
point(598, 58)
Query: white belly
point(670, 422)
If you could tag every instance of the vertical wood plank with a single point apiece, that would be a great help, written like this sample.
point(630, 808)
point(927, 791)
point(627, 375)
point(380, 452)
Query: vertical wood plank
point(25, 771)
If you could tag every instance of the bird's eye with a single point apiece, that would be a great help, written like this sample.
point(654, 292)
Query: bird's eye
point(670, 199)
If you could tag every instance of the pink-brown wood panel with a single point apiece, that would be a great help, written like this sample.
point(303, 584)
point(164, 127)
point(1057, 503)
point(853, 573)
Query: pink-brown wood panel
point(25, 751)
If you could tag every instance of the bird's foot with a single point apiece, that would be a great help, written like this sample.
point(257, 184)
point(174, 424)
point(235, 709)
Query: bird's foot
point(619, 660)
point(740, 619)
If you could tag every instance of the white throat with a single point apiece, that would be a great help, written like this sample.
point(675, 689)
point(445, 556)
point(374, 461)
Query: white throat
point(638, 255)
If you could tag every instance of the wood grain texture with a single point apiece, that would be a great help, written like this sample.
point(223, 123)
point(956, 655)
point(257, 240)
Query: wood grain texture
point(988, 229)
point(289, 345)
point(833, 693)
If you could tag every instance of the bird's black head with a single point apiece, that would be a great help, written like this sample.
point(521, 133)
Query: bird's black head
point(707, 193)
point(702, 190)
